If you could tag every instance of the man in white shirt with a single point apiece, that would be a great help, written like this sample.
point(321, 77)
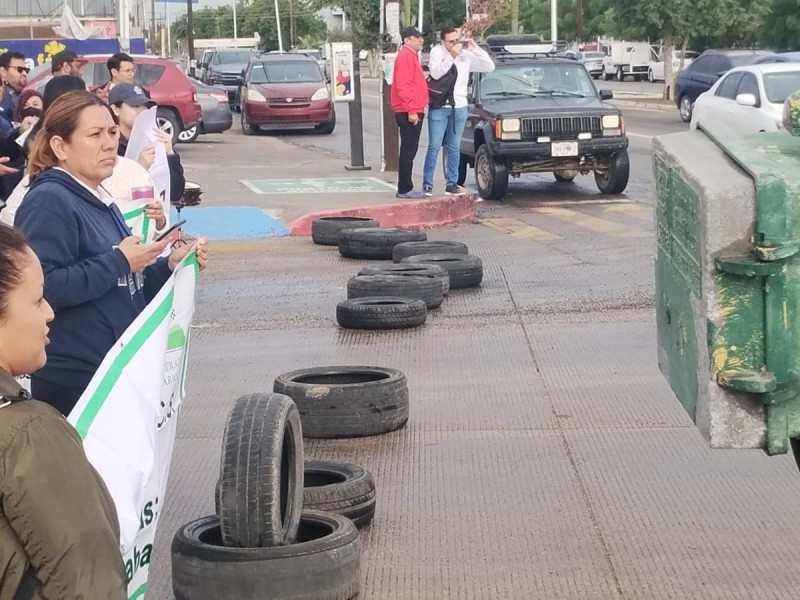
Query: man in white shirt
point(447, 123)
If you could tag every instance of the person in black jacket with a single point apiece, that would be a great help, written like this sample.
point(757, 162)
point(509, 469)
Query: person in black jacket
point(97, 276)
point(127, 101)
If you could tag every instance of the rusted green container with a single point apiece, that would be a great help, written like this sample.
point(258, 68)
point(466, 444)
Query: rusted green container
point(728, 282)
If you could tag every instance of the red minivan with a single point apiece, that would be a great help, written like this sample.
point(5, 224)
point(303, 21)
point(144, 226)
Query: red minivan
point(178, 108)
point(286, 90)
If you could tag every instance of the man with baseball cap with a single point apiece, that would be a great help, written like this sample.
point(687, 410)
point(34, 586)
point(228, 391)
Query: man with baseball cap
point(67, 62)
point(409, 96)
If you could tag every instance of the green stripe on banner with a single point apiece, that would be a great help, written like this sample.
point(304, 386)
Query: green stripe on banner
point(138, 593)
point(145, 226)
point(133, 213)
point(115, 369)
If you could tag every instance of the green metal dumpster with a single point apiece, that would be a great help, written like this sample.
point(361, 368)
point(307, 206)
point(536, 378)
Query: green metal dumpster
point(728, 282)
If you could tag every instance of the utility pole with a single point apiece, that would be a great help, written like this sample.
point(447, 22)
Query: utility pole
point(235, 31)
point(291, 24)
point(554, 22)
point(579, 20)
point(514, 17)
point(152, 36)
point(190, 35)
point(278, 25)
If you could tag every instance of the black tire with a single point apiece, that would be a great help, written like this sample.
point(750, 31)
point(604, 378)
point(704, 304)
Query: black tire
point(326, 128)
point(336, 402)
point(620, 74)
point(464, 270)
point(604, 74)
point(400, 251)
point(651, 76)
point(341, 488)
point(406, 269)
point(325, 230)
point(491, 177)
point(167, 120)
point(685, 108)
point(615, 179)
point(463, 164)
point(324, 564)
point(427, 289)
point(247, 128)
point(561, 178)
point(376, 243)
point(381, 312)
point(261, 472)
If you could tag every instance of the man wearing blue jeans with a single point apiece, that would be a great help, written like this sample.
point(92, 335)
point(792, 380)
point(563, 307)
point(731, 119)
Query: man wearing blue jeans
point(447, 123)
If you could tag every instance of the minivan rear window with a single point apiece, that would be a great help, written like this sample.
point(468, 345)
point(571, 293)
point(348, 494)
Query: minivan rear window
point(285, 72)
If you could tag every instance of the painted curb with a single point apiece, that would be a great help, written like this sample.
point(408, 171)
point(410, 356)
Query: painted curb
point(644, 105)
point(418, 213)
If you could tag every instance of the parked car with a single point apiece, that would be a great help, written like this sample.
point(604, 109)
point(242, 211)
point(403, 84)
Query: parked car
point(286, 90)
point(749, 99)
point(591, 59)
point(217, 117)
point(655, 71)
point(178, 108)
point(780, 57)
point(704, 72)
point(202, 65)
point(225, 67)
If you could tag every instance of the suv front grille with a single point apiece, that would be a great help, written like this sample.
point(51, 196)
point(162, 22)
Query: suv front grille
point(560, 128)
point(284, 102)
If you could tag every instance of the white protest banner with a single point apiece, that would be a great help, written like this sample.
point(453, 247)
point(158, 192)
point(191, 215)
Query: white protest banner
point(128, 416)
point(142, 136)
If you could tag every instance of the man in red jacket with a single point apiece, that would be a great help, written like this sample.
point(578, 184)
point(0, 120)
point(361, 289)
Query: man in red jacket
point(409, 99)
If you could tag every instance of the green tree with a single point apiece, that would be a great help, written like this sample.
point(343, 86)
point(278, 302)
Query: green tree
point(780, 26)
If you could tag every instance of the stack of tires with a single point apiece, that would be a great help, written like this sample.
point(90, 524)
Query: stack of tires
point(274, 537)
point(399, 294)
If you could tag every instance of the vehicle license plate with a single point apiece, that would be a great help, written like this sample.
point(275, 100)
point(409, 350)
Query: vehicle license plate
point(564, 149)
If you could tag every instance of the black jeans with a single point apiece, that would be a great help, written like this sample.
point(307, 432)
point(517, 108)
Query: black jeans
point(409, 142)
point(61, 397)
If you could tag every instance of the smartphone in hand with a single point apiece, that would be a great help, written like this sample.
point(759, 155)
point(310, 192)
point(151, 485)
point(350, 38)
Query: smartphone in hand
point(166, 234)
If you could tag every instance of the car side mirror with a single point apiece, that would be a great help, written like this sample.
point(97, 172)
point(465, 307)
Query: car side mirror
point(606, 94)
point(746, 100)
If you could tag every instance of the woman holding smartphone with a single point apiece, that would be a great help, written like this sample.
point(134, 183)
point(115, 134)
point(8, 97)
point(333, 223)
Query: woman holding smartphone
point(98, 277)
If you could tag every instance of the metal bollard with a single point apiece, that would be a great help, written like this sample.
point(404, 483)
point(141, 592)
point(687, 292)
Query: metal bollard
point(356, 124)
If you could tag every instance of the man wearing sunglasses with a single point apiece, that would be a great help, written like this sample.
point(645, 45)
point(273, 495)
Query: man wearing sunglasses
point(14, 74)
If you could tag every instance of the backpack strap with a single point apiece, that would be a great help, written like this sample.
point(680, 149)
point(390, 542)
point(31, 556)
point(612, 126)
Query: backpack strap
point(28, 585)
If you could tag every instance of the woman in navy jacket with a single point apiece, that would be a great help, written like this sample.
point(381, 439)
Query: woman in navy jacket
point(98, 277)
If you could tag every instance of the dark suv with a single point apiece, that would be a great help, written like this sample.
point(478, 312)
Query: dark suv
point(224, 68)
point(703, 73)
point(285, 90)
point(536, 113)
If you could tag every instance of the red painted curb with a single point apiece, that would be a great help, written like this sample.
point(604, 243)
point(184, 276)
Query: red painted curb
point(417, 213)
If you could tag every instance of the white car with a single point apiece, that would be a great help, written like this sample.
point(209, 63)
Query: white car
point(749, 99)
point(655, 72)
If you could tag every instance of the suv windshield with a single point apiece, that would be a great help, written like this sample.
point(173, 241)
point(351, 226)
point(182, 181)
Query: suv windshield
point(285, 72)
point(229, 58)
point(537, 80)
point(779, 85)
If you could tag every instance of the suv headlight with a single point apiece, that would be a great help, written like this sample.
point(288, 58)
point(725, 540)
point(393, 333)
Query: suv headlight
point(255, 96)
point(321, 94)
point(610, 122)
point(510, 125)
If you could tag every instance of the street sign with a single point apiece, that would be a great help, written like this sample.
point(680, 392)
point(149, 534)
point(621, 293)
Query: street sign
point(341, 54)
point(326, 185)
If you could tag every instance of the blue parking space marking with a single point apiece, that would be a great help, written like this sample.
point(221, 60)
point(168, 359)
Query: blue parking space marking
point(228, 222)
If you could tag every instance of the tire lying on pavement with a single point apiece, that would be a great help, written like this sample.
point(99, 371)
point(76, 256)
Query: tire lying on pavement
point(426, 289)
point(376, 243)
point(260, 494)
point(400, 251)
point(347, 401)
point(381, 312)
point(464, 270)
point(406, 269)
point(324, 563)
point(342, 488)
point(325, 230)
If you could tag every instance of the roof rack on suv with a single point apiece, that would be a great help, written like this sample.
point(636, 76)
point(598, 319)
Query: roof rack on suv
point(523, 46)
